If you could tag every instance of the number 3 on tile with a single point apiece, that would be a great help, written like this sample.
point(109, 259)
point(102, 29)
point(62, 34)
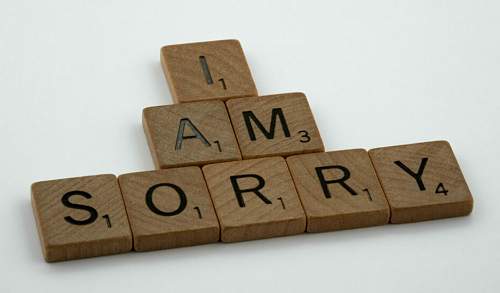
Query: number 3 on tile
point(304, 136)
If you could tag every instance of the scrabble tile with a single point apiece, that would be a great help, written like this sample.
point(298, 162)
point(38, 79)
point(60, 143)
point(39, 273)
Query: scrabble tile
point(254, 199)
point(190, 134)
point(207, 71)
point(275, 125)
point(339, 190)
point(80, 217)
point(169, 208)
point(422, 181)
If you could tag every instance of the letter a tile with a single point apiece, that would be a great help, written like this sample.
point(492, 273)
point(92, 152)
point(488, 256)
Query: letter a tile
point(190, 134)
point(275, 125)
point(339, 190)
point(254, 199)
point(422, 181)
point(80, 217)
point(169, 208)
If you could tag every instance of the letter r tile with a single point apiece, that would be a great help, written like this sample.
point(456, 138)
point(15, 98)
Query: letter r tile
point(169, 208)
point(339, 190)
point(254, 199)
point(422, 181)
point(190, 134)
point(275, 125)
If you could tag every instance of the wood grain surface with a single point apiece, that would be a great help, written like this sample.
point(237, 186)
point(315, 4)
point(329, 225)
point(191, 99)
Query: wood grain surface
point(207, 71)
point(277, 211)
point(439, 192)
point(182, 213)
point(80, 217)
point(339, 190)
point(171, 134)
point(274, 125)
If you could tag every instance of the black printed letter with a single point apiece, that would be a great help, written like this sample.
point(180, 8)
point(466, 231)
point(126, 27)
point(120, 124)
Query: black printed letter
point(239, 192)
point(180, 133)
point(93, 213)
point(418, 175)
point(341, 181)
point(154, 209)
point(276, 113)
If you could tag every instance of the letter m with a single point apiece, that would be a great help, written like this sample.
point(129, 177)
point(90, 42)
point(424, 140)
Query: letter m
point(277, 113)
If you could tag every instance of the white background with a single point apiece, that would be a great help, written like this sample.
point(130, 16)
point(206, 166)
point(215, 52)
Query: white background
point(75, 76)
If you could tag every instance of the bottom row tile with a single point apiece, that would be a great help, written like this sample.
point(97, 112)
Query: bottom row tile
point(80, 217)
point(250, 199)
point(169, 208)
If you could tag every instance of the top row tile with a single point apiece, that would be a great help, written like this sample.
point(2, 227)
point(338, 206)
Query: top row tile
point(216, 70)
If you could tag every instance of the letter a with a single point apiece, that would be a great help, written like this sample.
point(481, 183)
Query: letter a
point(181, 137)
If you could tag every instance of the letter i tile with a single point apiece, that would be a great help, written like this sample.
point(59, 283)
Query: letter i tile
point(207, 71)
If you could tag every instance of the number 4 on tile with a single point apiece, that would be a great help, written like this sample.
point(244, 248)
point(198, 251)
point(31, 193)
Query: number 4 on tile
point(441, 189)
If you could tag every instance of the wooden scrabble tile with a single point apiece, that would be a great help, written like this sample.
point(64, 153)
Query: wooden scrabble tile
point(190, 134)
point(275, 125)
point(169, 208)
point(206, 71)
point(422, 181)
point(339, 190)
point(254, 199)
point(80, 217)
